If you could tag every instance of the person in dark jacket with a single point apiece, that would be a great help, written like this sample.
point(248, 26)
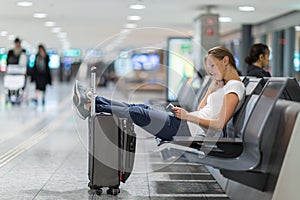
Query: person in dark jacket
point(14, 54)
point(14, 58)
point(41, 74)
point(257, 59)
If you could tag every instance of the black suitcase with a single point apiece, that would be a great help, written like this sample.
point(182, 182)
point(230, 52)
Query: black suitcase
point(112, 143)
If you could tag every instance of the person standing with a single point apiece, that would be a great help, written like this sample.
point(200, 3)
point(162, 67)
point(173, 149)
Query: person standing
point(258, 59)
point(41, 74)
point(17, 56)
point(13, 55)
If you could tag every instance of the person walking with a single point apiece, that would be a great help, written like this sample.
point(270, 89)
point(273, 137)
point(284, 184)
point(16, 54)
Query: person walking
point(13, 55)
point(41, 74)
point(16, 58)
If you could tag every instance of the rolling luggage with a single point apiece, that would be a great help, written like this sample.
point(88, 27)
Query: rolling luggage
point(112, 143)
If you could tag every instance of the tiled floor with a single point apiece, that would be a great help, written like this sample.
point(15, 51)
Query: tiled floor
point(43, 155)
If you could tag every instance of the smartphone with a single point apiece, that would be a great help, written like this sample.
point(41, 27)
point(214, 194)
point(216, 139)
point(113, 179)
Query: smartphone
point(169, 107)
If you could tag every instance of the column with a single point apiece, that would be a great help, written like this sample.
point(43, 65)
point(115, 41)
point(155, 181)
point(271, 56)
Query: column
point(277, 53)
point(206, 35)
point(263, 39)
point(289, 49)
point(247, 41)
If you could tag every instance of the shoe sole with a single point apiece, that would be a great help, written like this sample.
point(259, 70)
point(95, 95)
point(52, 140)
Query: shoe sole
point(78, 99)
point(77, 94)
point(78, 113)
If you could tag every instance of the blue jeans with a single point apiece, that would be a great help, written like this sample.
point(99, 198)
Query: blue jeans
point(156, 122)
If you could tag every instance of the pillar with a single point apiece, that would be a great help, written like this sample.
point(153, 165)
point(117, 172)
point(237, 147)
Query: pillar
point(289, 50)
point(246, 42)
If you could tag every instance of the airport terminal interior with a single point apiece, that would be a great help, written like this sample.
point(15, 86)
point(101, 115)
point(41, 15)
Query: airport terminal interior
point(48, 152)
point(44, 156)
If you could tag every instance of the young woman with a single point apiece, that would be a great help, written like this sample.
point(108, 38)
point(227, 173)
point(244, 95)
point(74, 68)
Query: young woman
point(258, 59)
point(41, 74)
point(223, 98)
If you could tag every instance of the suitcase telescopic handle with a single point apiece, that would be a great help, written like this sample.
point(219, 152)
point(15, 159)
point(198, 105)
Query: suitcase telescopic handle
point(93, 87)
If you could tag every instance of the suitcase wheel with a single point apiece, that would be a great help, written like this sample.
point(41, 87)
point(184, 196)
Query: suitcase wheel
point(90, 185)
point(113, 191)
point(95, 191)
point(99, 191)
point(93, 187)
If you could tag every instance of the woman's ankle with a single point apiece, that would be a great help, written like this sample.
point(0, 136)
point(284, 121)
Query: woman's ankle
point(87, 106)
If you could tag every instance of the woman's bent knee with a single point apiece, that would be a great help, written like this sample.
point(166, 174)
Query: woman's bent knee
point(139, 116)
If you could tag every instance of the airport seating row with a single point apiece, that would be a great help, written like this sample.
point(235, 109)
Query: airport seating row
point(254, 142)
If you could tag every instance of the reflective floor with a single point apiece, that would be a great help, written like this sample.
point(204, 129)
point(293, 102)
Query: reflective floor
point(43, 154)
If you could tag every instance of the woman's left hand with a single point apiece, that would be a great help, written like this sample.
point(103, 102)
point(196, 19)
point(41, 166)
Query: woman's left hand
point(180, 113)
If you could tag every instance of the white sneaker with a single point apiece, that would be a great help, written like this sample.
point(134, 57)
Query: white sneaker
point(80, 94)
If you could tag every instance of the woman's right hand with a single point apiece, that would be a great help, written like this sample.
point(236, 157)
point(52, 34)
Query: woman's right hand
point(180, 113)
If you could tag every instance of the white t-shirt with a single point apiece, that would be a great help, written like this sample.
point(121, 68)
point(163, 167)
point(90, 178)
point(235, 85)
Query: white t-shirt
point(214, 105)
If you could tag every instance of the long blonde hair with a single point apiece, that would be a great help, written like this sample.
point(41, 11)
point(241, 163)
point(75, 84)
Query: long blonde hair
point(220, 52)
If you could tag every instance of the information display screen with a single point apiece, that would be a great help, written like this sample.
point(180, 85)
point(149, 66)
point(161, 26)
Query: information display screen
point(145, 61)
point(180, 65)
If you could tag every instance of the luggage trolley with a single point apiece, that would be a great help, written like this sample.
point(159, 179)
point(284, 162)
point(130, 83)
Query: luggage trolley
point(14, 82)
point(112, 143)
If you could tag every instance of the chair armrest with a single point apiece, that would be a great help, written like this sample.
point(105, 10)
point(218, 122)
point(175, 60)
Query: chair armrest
point(206, 140)
point(218, 147)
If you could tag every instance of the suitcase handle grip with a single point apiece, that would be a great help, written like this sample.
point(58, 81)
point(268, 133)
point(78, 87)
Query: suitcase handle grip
point(93, 87)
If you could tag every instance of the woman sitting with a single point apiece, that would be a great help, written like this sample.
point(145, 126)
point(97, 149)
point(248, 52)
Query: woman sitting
point(223, 98)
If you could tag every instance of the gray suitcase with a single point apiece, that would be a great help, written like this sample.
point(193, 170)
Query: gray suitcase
point(112, 143)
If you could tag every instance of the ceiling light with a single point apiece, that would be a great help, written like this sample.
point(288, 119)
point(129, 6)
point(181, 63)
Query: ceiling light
point(40, 15)
point(50, 23)
point(56, 30)
point(134, 18)
point(130, 25)
point(225, 19)
point(3, 33)
point(246, 8)
point(62, 35)
point(137, 6)
point(24, 3)
point(11, 37)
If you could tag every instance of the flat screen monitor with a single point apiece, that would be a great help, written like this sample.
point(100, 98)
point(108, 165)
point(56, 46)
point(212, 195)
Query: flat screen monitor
point(54, 62)
point(297, 62)
point(122, 66)
point(31, 60)
point(145, 61)
point(3, 64)
point(71, 53)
